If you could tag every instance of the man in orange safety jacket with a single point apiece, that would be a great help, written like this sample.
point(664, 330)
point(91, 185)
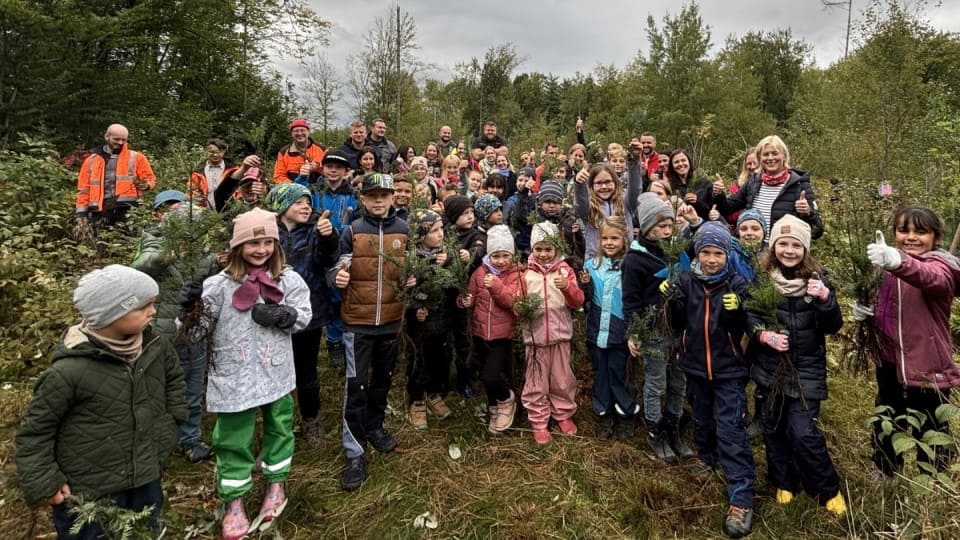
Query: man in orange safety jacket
point(302, 151)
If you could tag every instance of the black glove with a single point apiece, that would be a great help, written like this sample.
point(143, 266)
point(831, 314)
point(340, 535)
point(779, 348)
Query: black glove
point(190, 292)
point(277, 315)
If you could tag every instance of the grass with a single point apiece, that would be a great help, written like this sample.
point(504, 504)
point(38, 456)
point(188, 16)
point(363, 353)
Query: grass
point(508, 487)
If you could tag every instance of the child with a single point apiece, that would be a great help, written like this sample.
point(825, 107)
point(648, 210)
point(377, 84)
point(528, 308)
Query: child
point(75, 438)
point(428, 366)
point(474, 187)
point(604, 199)
point(606, 331)
point(916, 369)
point(496, 185)
point(705, 306)
point(371, 312)
point(249, 188)
point(309, 242)
point(644, 269)
point(252, 367)
point(518, 208)
point(154, 258)
point(550, 208)
point(492, 293)
point(488, 211)
point(402, 195)
point(550, 387)
point(796, 449)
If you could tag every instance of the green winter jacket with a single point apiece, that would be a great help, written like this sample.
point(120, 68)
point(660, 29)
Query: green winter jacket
point(97, 423)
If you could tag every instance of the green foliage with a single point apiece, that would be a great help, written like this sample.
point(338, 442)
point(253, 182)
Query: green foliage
point(118, 523)
point(763, 299)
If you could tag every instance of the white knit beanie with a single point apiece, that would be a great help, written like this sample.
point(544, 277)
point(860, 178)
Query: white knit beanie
point(542, 232)
point(499, 238)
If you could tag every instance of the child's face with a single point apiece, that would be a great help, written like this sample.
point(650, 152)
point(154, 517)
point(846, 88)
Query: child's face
point(490, 154)
point(603, 185)
point(612, 242)
point(257, 252)
point(466, 219)
point(619, 164)
point(433, 239)
point(134, 322)
point(750, 232)
point(496, 191)
point(544, 252)
point(334, 172)
point(475, 181)
point(402, 193)
point(367, 161)
point(431, 152)
point(377, 202)
point(476, 154)
point(525, 182)
point(662, 230)
point(451, 170)
point(912, 240)
point(500, 260)
point(550, 208)
point(712, 259)
point(419, 171)
point(495, 218)
point(789, 252)
point(299, 211)
point(561, 173)
point(657, 188)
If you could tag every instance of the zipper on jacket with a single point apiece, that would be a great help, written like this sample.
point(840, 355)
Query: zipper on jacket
point(903, 360)
point(546, 311)
point(706, 334)
point(379, 274)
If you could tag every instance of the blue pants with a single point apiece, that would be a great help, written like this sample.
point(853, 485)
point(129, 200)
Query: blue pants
point(138, 498)
point(370, 359)
point(796, 448)
point(610, 391)
point(193, 362)
point(719, 411)
point(661, 376)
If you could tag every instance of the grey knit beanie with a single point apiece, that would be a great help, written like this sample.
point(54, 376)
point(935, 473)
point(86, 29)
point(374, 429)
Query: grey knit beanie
point(650, 210)
point(499, 238)
point(103, 296)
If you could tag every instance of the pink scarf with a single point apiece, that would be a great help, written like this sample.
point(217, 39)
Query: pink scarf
point(776, 179)
point(258, 283)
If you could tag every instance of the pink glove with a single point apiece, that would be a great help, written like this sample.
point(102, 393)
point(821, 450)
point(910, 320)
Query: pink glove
point(776, 341)
point(818, 290)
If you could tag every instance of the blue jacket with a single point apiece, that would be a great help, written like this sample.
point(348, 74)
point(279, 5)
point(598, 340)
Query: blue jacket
point(311, 255)
point(341, 202)
point(605, 323)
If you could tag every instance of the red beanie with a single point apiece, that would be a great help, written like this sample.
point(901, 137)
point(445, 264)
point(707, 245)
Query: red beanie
point(299, 122)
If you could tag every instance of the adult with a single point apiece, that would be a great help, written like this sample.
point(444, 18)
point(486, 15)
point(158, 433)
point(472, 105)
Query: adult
point(111, 181)
point(378, 139)
point(445, 141)
point(643, 148)
point(749, 166)
point(490, 138)
point(209, 173)
point(353, 146)
point(302, 151)
point(550, 151)
point(681, 175)
point(778, 189)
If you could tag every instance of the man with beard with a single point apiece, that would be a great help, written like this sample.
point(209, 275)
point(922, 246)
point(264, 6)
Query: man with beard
point(302, 151)
point(490, 138)
point(643, 148)
point(445, 141)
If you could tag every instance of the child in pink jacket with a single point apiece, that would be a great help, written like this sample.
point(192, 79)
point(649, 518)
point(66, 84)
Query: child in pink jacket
point(550, 385)
point(492, 293)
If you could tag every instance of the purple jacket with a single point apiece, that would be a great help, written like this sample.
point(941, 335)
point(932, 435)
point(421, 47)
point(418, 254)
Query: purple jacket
point(913, 314)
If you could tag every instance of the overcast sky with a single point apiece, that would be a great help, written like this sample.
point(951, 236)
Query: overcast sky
point(566, 36)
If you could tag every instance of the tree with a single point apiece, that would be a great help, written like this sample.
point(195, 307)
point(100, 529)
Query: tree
point(322, 90)
point(486, 86)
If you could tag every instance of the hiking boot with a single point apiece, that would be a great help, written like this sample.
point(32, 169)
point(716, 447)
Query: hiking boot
point(698, 466)
point(312, 432)
point(739, 521)
point(437, 407)
point(382, 440)
point(836, 505)
point(354, 474)
point(418, 415)
point(567, 427)
point(784, 497)
point(542, 436)
point(235, 523)
point(625, 427)
point(197, 452)
point(336, 354)
point(605, 427)
point(675, 441)
point(273, 505)
point(505, 411)
point(657, 441)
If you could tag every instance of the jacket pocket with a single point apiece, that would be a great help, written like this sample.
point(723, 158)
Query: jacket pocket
point(227, 361)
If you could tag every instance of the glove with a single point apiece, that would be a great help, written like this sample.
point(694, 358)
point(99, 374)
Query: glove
point(731, 301)
point(190, 292)
point(883, 255)
point(667, 288)
point(777, 342)
point(862, 312)
point(278, 315)
point(817, 289)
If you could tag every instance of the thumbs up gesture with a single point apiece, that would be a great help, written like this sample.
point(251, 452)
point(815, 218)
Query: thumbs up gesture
point(324, 227)
point(883, 255)
point(561, 280)
point(718, 186)
point(714, 214)
point(343, 276)
point(802, 206)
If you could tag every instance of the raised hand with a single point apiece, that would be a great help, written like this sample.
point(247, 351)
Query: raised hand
point(802, 206)
point(343, 276)
point(817, 289)
point(883, 255)
point(324, 227)
point(714, 214)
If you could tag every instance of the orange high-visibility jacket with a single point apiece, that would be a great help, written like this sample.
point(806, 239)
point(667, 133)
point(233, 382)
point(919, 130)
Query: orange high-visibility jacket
point(198, 181)
point(289, 161)
point(130, 165)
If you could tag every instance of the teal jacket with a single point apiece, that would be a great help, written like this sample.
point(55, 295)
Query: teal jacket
point(98, 423)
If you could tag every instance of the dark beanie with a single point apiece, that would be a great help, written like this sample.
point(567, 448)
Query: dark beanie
point(454, 206)
point(550, 190)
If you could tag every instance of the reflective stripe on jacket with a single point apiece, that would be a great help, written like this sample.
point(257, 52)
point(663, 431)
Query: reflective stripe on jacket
point(131, 165)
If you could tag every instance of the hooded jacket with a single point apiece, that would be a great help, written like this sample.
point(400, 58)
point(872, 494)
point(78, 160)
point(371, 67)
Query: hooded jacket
point(311, 256)
point(604, 293)
point(493, 316)
point(555, 325)
point(798, 182)
point(98, 423)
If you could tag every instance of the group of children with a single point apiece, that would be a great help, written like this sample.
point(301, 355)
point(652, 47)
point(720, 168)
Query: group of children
point(333, 258)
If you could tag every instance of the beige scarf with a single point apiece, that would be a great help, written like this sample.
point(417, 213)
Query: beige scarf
point(129, 349)
point(790, 288)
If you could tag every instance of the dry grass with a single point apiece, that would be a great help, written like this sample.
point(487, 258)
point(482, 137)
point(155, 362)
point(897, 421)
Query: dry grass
point(508, 487)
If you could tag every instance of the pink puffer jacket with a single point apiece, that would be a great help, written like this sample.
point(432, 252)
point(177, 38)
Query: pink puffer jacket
point(493, 316)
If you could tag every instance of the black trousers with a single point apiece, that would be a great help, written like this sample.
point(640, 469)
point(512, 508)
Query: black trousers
point(306, 349)
point(370, 361)
point(138, 498)
point(494, 359)
point(428, 364)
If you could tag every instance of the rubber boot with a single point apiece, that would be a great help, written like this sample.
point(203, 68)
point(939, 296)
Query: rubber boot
point(335, 354)
point(657, 441)
point(605, 427)
point(680, 448)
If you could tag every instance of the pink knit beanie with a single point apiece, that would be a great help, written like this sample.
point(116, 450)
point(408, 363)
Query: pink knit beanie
point(253, 225)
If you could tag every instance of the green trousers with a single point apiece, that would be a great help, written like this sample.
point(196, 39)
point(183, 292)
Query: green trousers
point(233, 447)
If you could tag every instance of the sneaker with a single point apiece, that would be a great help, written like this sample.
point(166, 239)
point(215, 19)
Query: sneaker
point(657, 441)
point(698, 466)
point(494, 411)
point(382, 440)
point(437, 407)
point(418, 415)
point(506, 410)
point(235, 523)
point(354, 474)
point(274, 502)
point(197, 453)
point(605, 427)
point(567, 427)
point(784, 496)
point(335, 353)
point(626, 425)
point(312, 433)
point(542, 436)
point(739, 521)
point(837, 505)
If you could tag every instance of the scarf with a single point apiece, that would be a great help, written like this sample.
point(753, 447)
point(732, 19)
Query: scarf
point(776, 179)
point(709, 278)
point(257, 283)
point(791, 288)
point(489, 265)
point(129, 349)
